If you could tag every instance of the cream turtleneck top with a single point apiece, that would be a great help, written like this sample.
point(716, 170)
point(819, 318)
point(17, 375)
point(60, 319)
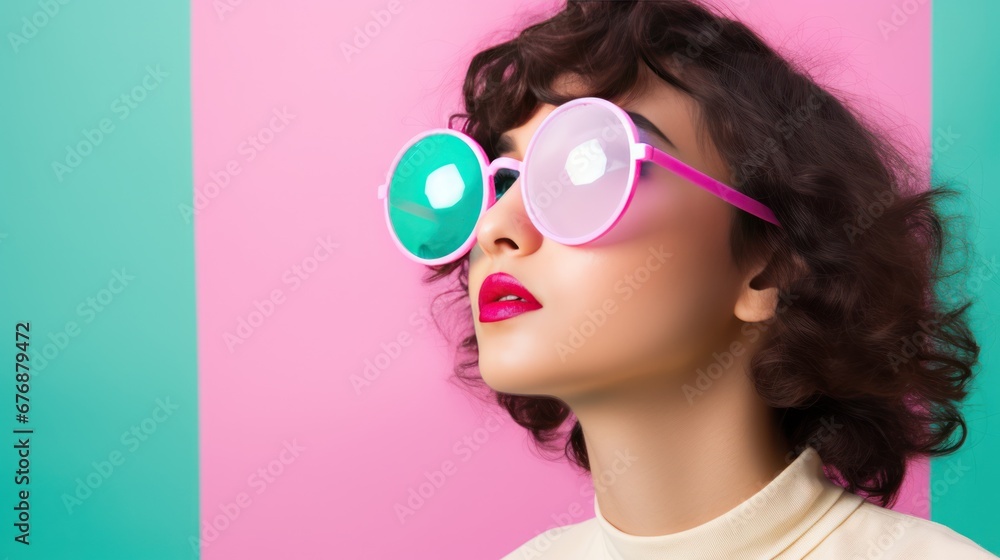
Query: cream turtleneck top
point(799, 514)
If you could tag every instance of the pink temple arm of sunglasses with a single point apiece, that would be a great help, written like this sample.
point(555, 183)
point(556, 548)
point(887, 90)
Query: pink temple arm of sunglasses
point(647, 152)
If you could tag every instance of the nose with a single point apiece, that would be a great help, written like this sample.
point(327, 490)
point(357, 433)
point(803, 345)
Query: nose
point(505, 227)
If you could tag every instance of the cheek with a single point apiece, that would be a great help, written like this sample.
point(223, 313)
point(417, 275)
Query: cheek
point(610, 315)
point(678, 303)
point(662, 302)
point(656, 299)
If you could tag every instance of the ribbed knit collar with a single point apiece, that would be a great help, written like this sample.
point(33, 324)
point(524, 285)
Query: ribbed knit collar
point(798, 508)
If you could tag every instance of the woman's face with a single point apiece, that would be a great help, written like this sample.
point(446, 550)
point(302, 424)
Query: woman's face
point(647, 301)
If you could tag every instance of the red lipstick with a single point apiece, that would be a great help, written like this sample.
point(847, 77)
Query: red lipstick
point(501, 286)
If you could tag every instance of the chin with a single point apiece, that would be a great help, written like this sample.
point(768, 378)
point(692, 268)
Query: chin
point(501, 380)
point(520, 379)
point(506, 379)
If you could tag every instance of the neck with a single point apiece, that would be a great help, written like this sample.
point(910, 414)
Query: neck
point(662, 462)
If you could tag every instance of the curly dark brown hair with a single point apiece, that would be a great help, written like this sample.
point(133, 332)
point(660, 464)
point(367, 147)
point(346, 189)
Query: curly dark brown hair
point(871, 343)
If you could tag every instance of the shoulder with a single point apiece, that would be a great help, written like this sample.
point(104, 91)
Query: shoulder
point(873, 531)
point(566, 542)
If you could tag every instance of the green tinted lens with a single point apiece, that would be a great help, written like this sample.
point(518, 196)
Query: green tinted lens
point(435, 196)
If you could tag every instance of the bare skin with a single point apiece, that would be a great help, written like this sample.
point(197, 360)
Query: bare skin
point(692, 458)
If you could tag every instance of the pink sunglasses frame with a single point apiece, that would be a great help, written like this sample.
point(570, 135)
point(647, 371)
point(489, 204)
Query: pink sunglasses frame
point(640, 152)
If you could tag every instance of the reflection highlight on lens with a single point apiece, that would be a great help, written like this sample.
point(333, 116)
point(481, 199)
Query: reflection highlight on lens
point(444, 187)
point(586, 163)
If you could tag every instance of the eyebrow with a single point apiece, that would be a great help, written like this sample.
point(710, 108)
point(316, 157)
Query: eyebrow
point(643, 123)
point(505, 144)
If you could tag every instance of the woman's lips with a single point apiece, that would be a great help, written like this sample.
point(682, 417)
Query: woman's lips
point(500, 310)
point(498, 285)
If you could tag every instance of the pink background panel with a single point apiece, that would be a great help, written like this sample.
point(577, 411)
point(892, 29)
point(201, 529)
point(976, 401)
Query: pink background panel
point(294, 263)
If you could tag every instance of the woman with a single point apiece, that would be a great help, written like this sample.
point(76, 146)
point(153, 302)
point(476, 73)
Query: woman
point(713, 273)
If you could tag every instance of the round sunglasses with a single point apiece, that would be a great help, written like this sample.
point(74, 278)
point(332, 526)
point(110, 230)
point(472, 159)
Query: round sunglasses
point(578, 176)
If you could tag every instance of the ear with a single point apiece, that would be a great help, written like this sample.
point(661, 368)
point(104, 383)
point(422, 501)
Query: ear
point(758, 296)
